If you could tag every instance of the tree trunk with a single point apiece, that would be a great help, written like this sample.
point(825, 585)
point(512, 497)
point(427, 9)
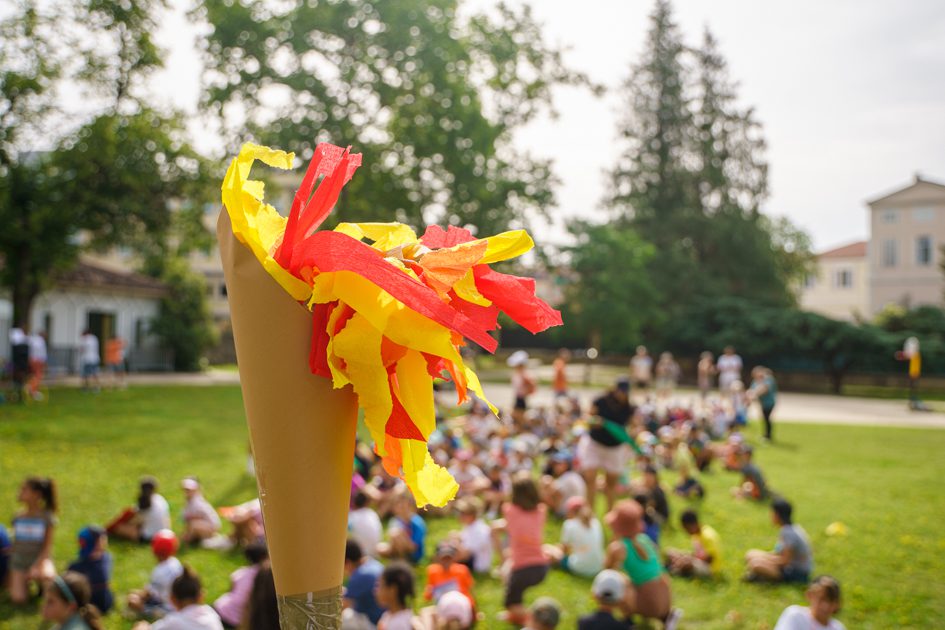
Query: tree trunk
point(24, 289)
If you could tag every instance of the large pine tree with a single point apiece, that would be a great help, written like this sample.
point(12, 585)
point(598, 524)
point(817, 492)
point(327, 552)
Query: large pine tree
point(692, 177)
point(652, 186)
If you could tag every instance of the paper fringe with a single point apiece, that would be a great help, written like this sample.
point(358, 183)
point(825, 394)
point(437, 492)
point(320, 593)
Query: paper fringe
point(388, 316)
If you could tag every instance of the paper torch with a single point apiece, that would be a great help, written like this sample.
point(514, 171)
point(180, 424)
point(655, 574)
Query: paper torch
point(370, 305)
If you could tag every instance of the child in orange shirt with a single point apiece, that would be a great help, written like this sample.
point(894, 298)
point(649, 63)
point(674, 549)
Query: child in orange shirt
point(445, 575)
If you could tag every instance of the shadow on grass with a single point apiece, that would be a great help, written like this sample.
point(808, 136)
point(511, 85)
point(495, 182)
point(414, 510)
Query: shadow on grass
point(236, 490)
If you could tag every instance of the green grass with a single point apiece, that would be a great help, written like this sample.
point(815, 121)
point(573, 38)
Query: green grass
point(885, 484)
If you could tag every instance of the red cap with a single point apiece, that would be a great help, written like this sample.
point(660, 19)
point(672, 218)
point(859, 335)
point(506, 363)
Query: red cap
point(164, 543)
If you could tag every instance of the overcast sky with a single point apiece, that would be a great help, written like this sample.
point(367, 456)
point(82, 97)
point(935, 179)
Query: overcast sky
point(851, 94)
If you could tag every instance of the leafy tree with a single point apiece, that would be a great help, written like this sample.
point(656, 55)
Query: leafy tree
point(430, 98)
point(613, 299)
point(101, 174)
point(185, 324)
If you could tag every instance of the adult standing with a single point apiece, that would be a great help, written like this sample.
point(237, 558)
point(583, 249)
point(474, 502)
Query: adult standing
point(667, 375)
point(764, 389)
point(641, 368)
point(90, 358)
point(523, 384)
point(705, 370)
point(560, 379)
point(38, 359)
point(115, 361)
point(19, 359)
point(729, 367)
point(604, 449)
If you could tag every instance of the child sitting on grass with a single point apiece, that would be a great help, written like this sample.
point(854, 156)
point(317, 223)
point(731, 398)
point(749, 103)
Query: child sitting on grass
point(95, 563)
point(706, 557)
point(474, 541)
point(791, 560)
point(444, 574)
point(753, 482)
point(581, 550)
point(609, 589)
point(67, 603)
point(201, 522)
point(407, 532)
point(634, 552)
point(823, 594)
point(230, 605)
point(190, 612)
point(30, 555)
point(154, 600)
point(544, 614)
point(395, 589)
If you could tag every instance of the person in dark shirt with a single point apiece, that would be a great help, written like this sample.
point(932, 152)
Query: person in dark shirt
point(95, 563)
point(609, 590)
point(604, 449)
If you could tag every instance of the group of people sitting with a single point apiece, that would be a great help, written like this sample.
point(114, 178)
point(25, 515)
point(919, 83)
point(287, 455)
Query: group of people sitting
point(514, 476)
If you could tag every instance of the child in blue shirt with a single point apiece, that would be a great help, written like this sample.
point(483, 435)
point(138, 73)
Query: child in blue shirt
point(95, 563)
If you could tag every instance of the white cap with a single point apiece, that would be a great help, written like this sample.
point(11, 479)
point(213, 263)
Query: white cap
point(454, 605)
point(609, 586)
point(517, 358)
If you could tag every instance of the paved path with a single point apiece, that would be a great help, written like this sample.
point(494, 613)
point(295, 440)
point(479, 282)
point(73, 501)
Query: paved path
point(804, 408)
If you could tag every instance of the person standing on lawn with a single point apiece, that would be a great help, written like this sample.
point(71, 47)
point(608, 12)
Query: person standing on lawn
point(604, 448)
point(764, 389)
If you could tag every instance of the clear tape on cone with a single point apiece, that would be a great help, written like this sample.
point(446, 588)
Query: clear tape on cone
point(311, 611)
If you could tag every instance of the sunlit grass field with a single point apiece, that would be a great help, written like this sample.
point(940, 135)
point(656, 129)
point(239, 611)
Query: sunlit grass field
point(884, 484)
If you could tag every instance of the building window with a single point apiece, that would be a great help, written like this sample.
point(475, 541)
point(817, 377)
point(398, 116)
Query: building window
point(923, 251)
point(890, 255)
point(223, 289)
point(890, 216)
point(923, 215)
point(843, 279)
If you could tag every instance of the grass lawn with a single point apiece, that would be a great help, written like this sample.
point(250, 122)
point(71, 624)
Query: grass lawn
point(883, 483)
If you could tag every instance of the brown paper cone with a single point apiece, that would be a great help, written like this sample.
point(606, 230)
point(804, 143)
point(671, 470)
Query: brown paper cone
point(302, 433)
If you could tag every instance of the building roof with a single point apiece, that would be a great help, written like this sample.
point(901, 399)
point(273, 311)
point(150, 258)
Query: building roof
point(919, 183)
point(89, 276)
point(853, 250)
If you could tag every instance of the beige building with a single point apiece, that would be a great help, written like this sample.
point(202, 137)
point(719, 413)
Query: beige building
point(840, 287)
point(907, 232)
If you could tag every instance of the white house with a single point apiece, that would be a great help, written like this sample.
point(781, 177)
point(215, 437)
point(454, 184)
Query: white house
point(108, 301)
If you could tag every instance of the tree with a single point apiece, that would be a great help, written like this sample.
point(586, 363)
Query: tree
point(104, 175)
point(184, 322)
point(651, 184)
point(613, 300)
point(430, 98)
point(692, 178)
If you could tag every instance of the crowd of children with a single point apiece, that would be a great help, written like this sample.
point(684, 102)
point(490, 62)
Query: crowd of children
point(514, 474)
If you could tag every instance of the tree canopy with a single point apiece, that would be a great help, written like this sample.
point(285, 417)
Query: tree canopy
point(428, 90)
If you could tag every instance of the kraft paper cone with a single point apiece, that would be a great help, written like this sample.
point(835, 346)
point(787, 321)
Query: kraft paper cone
point(302, 433)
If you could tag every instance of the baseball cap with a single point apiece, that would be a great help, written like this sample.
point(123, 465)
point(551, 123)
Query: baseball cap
point(623, 384)
point(546, 611)
point(608, 586)
point(574, 503)
point(88, 538)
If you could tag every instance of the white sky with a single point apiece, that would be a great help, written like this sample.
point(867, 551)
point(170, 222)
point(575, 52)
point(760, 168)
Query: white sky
point(851, 94)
